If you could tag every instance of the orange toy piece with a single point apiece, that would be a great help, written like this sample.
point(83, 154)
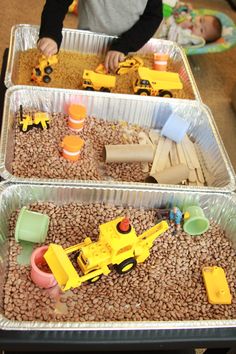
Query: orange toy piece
point(77, 114)
point(72, 145)
point(124, 226)
point(74, 8)
point(160, 61)
point(100, 69)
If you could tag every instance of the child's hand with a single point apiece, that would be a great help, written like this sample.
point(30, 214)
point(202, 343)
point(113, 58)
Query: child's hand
point(47, 46)
point(112, 60)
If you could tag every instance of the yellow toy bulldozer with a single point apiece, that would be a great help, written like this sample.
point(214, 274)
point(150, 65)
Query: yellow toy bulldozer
point(25, 121)
point(42, 71)
point(38, 119)
point(118, 245)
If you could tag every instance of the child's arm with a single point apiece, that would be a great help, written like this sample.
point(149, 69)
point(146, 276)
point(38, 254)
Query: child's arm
point(50, 35)
point(142, 30)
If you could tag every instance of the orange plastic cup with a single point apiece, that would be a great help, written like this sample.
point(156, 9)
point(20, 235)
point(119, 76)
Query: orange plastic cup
point(77, 114)
point(160, 61)
point(72, 145)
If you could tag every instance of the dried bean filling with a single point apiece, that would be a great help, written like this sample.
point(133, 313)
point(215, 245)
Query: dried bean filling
point(38, 153)
point(168, 286)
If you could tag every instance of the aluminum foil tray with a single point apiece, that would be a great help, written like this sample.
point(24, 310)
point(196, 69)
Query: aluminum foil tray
point(25, 37)
point(217, 206)
point(133, 109)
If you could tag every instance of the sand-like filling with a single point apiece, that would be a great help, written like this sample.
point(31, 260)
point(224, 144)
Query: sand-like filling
point(69, 71)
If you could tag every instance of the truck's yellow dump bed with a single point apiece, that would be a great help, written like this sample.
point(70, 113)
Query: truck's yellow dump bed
point(161, 79)
point(99, 80)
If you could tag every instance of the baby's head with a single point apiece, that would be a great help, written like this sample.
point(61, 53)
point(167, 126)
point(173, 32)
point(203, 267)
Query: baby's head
point(207, 27)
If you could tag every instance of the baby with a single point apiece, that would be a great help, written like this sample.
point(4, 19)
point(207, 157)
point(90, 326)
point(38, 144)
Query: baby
point(187, 28)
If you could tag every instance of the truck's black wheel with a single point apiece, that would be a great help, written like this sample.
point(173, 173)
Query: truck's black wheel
point(165, 93)
point(48, 70)
point(104, 89)
point(89, 89)
point(46, 79)
point(143, 92)
point(37, 72)
point(95, 279)
point(126, 266)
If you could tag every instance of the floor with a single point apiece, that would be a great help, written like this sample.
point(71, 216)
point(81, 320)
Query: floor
point(215, 75)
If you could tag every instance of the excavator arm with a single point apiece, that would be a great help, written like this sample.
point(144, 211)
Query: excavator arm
point(146, 239)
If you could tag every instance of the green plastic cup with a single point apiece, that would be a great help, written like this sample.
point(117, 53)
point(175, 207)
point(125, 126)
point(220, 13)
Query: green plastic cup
point(197, 223)
point(31, 226)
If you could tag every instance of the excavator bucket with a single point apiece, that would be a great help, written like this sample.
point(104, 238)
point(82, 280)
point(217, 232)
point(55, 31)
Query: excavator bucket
point(61, 267)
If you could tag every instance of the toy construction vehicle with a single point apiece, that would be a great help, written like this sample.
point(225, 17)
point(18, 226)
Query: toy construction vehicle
point(156, 83)
point(98, 82)
point(130, 63)
point(42, 71)
point(38, 119)
point(25, 121)
point(118, 245)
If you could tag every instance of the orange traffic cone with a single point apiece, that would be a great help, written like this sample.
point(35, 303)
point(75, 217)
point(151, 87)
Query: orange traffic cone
point(160, 61)
point(77, 115)
point(72, 145)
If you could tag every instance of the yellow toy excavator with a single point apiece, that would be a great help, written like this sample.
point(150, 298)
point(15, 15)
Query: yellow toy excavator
point(118, 245)
point(130, 63)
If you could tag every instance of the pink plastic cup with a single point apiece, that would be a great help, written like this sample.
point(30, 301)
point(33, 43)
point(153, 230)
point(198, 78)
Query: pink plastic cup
point(40, 272)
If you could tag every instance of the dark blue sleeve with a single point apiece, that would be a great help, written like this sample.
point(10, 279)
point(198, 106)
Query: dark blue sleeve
point(142, 30)
point(52, 18)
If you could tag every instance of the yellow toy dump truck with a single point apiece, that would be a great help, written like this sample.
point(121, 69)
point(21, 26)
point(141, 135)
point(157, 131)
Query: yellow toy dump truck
point(37, 119)
point(42, 71)
point(156, 83)
point(118, 245)
point(98, 82)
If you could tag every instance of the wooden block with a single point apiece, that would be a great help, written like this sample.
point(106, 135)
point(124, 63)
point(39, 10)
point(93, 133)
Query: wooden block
point(154, 136)
point(209, 178)
point(192, 176)
point(168, 162)
point(174, 155)
point(143, 140)
point(191, 151)
point(143, 137)
point(181, 154)
point(161, 155)
point(187, 157)
point(200, 175)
